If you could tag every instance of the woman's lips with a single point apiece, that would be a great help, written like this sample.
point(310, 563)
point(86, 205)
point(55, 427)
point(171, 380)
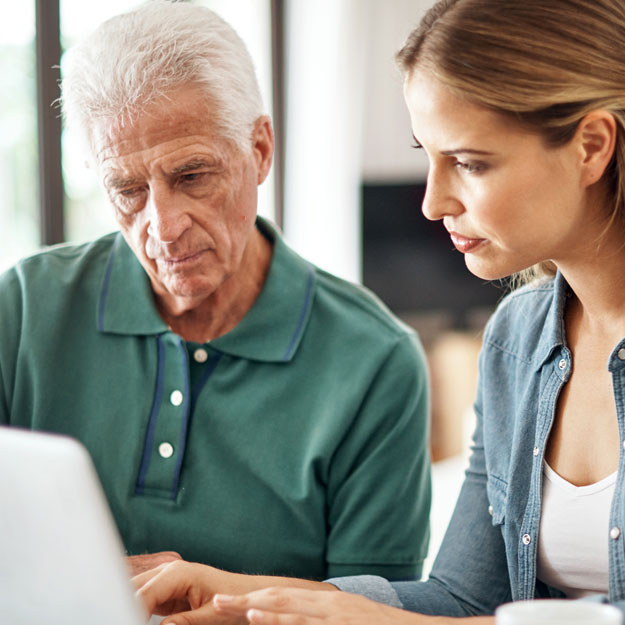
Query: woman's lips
point(464, 244)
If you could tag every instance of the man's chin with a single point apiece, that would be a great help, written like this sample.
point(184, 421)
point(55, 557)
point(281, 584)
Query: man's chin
point(186, 290)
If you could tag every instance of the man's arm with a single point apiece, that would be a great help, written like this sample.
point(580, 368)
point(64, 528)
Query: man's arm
point(379, 488)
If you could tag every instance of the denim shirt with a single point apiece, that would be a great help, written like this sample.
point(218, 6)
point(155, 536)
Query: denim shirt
point(488, 555)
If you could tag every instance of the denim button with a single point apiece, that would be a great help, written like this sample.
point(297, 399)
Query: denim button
point(490, 510)
point(621, 353)
point(615, 532)
point(527, 539)
point(166, 450)
point(562, 363)
point(536, 451)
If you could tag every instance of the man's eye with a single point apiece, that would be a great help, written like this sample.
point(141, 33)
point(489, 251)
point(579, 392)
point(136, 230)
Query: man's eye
point(192, 177)
point(128, 193)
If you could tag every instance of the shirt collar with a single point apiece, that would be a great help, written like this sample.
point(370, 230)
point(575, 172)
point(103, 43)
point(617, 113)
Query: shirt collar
point(270, 331)
point(553, 334)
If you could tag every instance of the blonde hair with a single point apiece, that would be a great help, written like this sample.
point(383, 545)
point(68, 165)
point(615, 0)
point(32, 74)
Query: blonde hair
point(545, 64)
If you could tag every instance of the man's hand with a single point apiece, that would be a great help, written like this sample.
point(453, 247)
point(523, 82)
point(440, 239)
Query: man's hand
point(145, 562)
point(184, 591)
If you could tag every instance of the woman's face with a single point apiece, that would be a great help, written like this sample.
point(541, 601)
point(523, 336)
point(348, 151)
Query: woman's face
point(507, 200)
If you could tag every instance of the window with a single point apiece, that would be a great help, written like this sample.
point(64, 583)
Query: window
point(19, 182)
point(86, 211)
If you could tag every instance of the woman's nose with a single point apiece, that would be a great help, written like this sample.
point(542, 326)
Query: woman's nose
point(439, 199)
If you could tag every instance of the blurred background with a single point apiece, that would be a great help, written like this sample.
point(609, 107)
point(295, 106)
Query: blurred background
point(346, 186)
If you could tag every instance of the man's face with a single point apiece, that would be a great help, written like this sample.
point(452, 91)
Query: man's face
point(184, 198)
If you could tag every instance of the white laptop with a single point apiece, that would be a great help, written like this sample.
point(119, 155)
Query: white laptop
point(61, 558)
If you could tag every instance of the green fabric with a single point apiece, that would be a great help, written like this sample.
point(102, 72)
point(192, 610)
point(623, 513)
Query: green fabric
point(305, 450)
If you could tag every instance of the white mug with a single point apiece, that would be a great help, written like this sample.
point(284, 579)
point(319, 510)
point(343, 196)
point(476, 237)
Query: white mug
point(557, 612)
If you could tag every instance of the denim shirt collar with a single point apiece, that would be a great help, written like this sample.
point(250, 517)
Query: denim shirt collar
point(553, 333)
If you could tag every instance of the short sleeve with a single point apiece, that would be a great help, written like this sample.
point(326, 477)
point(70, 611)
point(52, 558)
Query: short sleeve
point(379, 492)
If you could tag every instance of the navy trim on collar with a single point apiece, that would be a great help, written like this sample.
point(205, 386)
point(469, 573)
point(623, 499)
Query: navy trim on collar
point(270, 331)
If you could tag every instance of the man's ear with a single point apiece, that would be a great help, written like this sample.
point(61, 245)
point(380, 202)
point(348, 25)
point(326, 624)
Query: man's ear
point(596, 138)
point(262, 146)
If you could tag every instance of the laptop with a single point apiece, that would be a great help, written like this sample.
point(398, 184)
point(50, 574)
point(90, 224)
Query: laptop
point(61, 557)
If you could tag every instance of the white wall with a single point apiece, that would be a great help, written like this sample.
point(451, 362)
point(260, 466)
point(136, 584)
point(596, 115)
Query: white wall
point(387, 155)
point(345, 121)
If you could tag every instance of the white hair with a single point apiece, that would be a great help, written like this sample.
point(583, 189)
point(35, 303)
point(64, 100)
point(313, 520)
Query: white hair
point(138, 57)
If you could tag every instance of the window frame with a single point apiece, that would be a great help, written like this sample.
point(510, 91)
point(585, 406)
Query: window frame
point(48, 58)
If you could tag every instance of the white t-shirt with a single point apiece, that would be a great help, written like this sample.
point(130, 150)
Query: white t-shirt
point(574, 534)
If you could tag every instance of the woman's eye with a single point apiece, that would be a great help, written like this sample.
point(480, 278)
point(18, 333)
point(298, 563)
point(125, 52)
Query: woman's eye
point(470, 167)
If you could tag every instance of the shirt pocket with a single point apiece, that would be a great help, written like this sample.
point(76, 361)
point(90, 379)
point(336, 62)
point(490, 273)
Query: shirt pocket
point(497, 491)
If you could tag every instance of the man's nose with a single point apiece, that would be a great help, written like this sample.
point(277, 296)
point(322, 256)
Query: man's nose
point(168, 218)
point(439, 199)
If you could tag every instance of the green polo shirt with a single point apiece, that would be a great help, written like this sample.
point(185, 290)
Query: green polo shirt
point(296, 444)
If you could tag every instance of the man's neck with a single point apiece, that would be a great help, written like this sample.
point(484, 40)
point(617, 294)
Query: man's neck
point(217, 314)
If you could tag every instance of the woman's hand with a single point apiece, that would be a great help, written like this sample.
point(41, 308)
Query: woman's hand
point(184, 592)
point(294, 606)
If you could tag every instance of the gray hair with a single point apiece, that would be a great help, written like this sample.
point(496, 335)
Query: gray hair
point(138, 57)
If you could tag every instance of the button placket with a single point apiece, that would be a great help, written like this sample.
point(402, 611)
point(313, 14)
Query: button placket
point(171, 419)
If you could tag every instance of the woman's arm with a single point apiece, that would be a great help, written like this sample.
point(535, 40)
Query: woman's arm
point(286, 606)
point(186, 592)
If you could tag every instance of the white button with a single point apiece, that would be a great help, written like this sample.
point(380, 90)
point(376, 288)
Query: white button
point(490, 510)
point(562, 364)
point(166, 450)
point(536, 451)
point(621, 353)
point(623, 444)
point(527, 539)
point(176, 398)
point(200, 355)
point(615, 532)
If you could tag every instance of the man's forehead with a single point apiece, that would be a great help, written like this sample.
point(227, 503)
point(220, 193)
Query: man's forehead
point(167, 148)
point(182, 115)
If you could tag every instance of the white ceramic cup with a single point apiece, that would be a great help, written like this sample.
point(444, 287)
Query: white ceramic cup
point(557, 612)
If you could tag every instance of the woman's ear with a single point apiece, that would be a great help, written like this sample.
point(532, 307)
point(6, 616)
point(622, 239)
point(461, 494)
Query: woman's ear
point(596, 139)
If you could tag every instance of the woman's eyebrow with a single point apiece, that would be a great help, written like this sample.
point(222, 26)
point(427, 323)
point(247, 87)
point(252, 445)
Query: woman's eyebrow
point(458, 151)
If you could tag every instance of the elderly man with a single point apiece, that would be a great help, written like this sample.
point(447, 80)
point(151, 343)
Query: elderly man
point(242, 407)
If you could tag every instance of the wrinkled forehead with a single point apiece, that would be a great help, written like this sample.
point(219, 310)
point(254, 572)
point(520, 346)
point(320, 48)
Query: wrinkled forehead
point(182, 113)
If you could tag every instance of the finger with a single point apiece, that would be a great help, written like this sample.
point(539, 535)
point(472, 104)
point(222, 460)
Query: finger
point(202, 616)
point(142, 578)
point(166, 585)
point(282, 600)
point(259, 617)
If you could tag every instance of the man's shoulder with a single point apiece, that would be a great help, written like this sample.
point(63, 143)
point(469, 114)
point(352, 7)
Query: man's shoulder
point(64, 262)
point(357, 307)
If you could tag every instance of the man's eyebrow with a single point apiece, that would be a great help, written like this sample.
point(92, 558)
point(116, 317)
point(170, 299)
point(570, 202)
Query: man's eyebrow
point(116, 182)
point(196, 163)
point(458, 151)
